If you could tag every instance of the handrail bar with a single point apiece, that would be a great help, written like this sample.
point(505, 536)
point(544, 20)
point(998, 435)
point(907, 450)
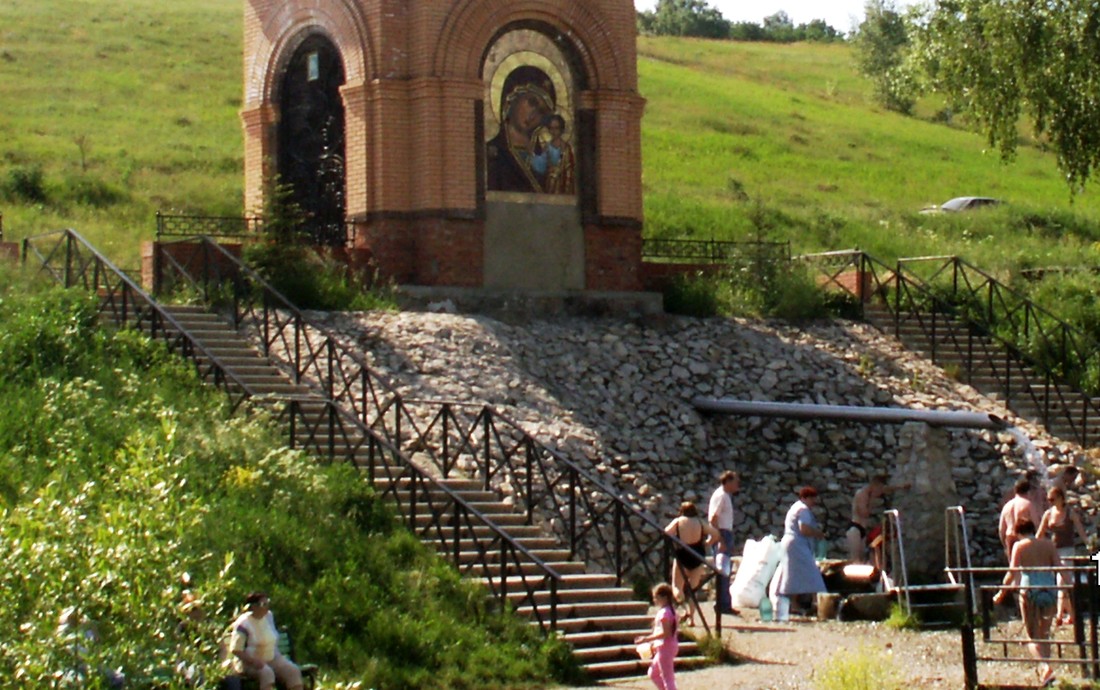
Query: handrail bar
point(251, 395)
point(355, 357)
point(28, 243)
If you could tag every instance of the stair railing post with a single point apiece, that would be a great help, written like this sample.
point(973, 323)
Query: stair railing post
point(528, 468)
point(572, 511)
point(330, 356)
point(456, 532)
point(297, 349)
point(446, 443)
point(553, 604)
point(293, 423)
point(487, 447)
point(897, 300)
point(1093, 600)
point(266, 306)
point(618, 543)
point(331, 407)
point(69, 242)
point(970, 657)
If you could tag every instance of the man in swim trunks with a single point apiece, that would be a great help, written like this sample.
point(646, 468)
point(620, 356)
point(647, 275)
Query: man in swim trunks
point(1038, 591)
point(866, 504)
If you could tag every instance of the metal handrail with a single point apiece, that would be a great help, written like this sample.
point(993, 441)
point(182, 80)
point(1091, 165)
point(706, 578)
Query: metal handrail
point(1083, 588)
point(891, 527)
point(956, 546)
point(714, 251)
point(316, 355)
point(80, 257)
point(909, 296)
point(161, 324)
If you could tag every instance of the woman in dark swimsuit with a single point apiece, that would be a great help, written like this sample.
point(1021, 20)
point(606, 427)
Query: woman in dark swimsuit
point(687, 564)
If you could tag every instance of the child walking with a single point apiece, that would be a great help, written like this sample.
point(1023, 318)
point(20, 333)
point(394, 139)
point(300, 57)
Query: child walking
point(665, 639)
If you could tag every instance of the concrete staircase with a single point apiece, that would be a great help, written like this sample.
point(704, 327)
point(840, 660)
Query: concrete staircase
point(977, 360)
point(597, 617)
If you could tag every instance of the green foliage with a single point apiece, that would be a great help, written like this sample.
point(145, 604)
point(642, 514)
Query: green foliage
point(684, 18)
point(25, 184)
point(119, 473)
point(998, 61)
point(714, 649)
point(880, 48)
point(315, 280)
point(900, 620)
point(755, 289)
point(863, 669)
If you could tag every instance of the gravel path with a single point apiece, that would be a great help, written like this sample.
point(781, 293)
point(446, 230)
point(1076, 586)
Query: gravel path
point(782, 657)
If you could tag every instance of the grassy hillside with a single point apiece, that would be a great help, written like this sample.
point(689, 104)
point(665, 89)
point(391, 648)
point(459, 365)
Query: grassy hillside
point(120, 472)
point(124, 109)
point(788, 133)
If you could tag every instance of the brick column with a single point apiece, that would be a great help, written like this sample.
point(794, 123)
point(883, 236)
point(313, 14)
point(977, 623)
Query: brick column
point(356, 149)
point(259, 153)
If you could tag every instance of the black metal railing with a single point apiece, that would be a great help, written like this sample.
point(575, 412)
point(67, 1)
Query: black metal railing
point(71, 261)
point(1082, 650)
point(242, 228)
point(595, 520)
point(1038, 360)
point(715, 251)
point(175, 226)
point(468, 537)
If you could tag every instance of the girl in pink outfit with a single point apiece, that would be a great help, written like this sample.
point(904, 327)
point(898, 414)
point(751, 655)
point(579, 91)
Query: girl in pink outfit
point(665, 639)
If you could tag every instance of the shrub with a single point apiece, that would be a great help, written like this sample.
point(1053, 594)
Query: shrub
point(314, 281)
point(26, 184)
point(93, 192)
point(119, 474)
point(863, 669)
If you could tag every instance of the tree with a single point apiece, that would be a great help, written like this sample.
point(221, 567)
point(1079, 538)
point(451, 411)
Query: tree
point(998, 61)
point(779, 27)
point(881, 48)
point(684, 18)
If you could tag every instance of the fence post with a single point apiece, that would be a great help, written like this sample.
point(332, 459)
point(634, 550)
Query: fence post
point(68, 259)
point(572, 511)
point(970, 658)
point(487, 414)
point(618, 543)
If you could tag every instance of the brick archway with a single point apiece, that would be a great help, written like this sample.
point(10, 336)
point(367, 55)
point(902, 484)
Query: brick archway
point(473, 25)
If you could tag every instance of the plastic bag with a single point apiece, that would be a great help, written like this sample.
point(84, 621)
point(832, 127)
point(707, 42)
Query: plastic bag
point(758, 563)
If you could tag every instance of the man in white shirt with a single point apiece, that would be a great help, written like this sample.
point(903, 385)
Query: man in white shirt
point(722, 515)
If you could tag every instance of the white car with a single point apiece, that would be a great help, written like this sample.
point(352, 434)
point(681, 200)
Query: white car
point(962, 203)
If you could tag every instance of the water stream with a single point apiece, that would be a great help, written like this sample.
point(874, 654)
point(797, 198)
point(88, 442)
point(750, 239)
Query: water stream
point(1034, 457)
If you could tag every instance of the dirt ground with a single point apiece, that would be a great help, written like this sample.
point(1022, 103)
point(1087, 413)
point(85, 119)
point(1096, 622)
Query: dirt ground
point(782, 657)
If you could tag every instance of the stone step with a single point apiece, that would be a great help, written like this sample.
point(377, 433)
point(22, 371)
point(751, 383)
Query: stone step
point(625, 651)
point(640, 622)
point(568, 581)
point(582, 594)
point(636, 667)
point(530, 569)
point(587, 609)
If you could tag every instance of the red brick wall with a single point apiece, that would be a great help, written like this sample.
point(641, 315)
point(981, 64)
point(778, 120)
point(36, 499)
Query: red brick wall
point(413, 78)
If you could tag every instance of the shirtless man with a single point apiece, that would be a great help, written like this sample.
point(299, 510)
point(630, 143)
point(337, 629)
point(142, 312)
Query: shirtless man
point(1039, 591)
point(866, 504)
point(1018, 510)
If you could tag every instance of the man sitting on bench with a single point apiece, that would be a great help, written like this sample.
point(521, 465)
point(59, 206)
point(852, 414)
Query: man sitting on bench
point(255, 649)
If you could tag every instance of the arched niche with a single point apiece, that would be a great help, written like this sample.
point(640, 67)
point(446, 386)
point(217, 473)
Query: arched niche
point(310, 134)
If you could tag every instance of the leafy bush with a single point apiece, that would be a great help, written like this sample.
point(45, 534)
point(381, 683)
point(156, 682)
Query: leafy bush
point(25, 184)
point(315, 281)
point(93, 192)
point(863, 669)
point(758, 289)
point(120, 473)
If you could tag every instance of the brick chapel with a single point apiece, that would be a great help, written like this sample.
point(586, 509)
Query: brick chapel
point(471, 143)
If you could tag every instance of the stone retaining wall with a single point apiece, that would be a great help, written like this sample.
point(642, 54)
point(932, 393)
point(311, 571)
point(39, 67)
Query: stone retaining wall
point(616, 394)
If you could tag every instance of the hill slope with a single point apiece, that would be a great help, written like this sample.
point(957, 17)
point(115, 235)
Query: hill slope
point(123, 111)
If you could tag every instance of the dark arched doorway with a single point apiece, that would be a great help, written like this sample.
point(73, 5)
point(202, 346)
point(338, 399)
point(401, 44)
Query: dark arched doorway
point(311, 137)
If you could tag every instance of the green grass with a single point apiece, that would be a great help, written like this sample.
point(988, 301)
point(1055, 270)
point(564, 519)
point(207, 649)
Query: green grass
point(792, 127)
point(149, 90)
point(120, 472)
point(127, 109)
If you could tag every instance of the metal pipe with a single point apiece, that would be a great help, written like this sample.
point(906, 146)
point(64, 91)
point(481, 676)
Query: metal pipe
point(849, 413)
